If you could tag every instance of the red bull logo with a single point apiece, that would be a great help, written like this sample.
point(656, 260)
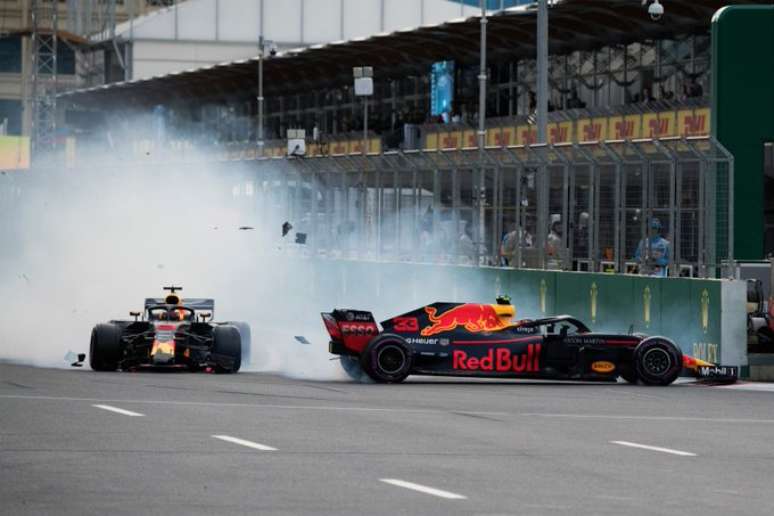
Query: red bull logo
point(499, 360)
point(474, 318)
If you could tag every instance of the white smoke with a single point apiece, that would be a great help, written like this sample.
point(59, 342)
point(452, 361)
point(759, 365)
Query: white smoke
point(87, 245)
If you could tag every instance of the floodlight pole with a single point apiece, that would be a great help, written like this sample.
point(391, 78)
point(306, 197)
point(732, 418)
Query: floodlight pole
point(542, 71)
point(261, 45)
point(365, 125)
point(481, 136)
point(482, 82)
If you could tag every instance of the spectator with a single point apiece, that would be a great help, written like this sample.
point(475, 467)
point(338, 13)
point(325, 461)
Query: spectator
point(466, 246)
point(581, 237)
point(695, 90)
point(554, 239)
point(509, 244)
point(647, 95)
point(574, 102)
point(653, 252)
point(532, 101)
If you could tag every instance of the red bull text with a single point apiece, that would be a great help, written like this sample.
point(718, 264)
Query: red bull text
point(501, 360)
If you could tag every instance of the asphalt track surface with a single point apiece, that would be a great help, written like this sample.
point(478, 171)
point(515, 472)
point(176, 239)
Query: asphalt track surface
point(80, 442)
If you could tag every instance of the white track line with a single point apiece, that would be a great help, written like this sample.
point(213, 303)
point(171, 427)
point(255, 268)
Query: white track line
point(655, 448)
point(649, 418)
point(251, 405)
point(423, 489)
point(242, 442)
point(118, 410)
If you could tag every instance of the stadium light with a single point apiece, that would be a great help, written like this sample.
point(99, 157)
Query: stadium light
point(364, 87)
point(542, 71)
point(655, 10)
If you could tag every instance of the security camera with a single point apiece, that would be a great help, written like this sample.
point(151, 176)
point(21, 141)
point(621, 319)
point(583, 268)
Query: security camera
point(655, 10)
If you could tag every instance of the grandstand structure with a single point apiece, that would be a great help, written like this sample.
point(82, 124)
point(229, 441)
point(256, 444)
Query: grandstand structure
point(630, 139)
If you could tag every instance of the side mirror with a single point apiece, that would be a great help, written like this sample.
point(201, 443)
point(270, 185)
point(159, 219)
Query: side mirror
point(136, 315)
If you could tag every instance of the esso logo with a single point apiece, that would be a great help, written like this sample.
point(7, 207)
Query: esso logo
point(603, 366)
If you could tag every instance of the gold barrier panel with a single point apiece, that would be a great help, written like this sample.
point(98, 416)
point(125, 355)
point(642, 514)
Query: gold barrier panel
point(665, 124)
point(14, 152)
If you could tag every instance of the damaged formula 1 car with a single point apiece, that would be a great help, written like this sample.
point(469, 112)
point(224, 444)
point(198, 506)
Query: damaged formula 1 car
point(171, 333)
point(468, 339)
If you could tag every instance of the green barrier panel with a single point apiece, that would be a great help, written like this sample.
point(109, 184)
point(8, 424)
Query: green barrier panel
point(646, 294)
point(689, 311)
point(532, 292)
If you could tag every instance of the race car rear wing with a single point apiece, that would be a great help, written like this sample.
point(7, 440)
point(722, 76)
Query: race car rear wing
point(197, 304)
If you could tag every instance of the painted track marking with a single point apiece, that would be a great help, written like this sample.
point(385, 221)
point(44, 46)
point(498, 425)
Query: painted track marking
point(251, 405)
point(243, 442)
point(655, 448)
point(118, 410)
point(423, 489)
point(735, 420)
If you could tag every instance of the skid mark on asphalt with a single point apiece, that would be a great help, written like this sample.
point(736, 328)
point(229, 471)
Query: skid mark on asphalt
point(654, 448)
point(478, 416)
point(117, 410)
point(244, 442)
point(423, 489)
point(18, 385)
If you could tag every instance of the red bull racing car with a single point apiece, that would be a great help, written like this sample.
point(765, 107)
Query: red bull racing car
point(468, 339)
point(171, 333)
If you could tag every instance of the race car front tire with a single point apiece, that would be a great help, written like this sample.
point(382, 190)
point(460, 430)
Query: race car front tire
point(630, 375)
point(658, 361)
point(387, 359)
point(226, 349)
point(246, 338)
point(105, 347)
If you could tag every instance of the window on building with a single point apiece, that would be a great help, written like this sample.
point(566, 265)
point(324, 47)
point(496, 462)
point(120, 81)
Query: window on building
point(10, 115)
point(10, 54)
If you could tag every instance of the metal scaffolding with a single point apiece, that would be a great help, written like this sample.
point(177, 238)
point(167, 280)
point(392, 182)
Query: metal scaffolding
point(583, 207)
point(575, 206)
point(43, 74)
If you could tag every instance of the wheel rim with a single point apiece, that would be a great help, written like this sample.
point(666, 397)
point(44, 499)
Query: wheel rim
point(656, 361)
point(391, 359)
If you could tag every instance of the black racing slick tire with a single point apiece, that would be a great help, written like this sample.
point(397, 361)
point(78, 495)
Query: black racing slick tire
point(387, 359)
point(105, 348)
point(246, 338)
point(658, 361)
point(226, 349)
point(351, 366)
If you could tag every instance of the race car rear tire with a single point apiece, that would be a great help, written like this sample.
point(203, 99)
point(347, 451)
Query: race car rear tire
point(105, 347)
point(351, 366)
point(246, 338)
point(658, 361)
point(387, 359)
point(226, 349)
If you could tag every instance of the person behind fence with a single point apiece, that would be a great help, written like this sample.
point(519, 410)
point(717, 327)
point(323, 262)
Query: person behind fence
point(554, 247)
point(653, 252)
point(514, 238)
